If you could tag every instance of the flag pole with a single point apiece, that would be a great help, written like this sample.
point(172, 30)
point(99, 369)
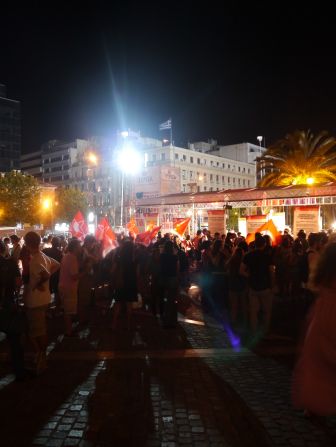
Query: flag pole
point(171, 138)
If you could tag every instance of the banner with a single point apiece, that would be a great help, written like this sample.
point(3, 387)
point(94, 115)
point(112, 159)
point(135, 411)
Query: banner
point(306, 218)
point(216, 222)
point(254, 222)
point(78, 227)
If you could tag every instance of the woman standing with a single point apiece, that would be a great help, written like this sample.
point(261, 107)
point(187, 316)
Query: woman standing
point(169, 271)
point(68, 283)
point(237, 286)
point(89, 260)
point(125, 273)
point(314, 385)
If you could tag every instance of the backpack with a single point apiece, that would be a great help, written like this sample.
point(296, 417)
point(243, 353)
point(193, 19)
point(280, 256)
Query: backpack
point(303, 265)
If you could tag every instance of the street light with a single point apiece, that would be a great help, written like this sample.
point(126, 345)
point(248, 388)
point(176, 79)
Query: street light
point(46, 204)
point(92, 158)
point(129, 162)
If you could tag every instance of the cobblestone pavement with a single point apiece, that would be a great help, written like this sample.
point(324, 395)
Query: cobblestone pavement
point(190, 386)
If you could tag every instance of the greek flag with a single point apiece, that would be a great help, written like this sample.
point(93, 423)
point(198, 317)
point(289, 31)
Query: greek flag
point(166, 125)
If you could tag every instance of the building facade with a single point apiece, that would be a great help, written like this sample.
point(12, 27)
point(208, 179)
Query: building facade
point(203, 170)
point(92, 167)
point(10, 132)
point(242, 152)
point(32, 164)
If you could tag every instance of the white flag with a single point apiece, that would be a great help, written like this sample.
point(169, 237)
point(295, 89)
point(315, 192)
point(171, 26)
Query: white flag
point(166, 125)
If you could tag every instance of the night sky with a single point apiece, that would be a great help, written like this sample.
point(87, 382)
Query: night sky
point(228, 72)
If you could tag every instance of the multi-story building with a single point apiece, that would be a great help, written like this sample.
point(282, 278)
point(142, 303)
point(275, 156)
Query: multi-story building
point(202, 168)
point(58, 159)
point(10, 132)
point(32, 164)
point(92, 167)
point(242, 152)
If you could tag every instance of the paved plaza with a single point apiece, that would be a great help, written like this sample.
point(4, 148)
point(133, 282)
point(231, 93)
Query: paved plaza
point(196, 385)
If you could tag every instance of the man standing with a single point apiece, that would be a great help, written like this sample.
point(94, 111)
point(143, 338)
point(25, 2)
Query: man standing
point(37, 297)
point(55, 253)
point(10, 321)
point(15, 253)
point(258, 267)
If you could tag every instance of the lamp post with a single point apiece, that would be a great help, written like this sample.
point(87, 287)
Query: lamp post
point(48, 207)
point(199, 214)
point(122, 199)
point(260, 138)
point(130, 161)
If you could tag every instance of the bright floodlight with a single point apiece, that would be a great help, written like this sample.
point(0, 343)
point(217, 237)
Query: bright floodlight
point(91, 217)
point(92, 158)
point(46, 204)
point(129, 160)
point(259, 138)
point(124, 133)
point(310, 181)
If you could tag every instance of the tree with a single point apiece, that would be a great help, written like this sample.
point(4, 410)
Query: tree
point(19, 199)
point(299, 159)
point(69, 201)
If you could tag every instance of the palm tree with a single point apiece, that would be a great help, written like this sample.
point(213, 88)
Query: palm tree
point(299, 159)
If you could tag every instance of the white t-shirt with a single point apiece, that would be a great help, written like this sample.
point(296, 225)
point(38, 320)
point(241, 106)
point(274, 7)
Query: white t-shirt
point(39, 262)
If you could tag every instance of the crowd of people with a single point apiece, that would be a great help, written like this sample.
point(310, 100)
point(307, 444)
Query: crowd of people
point(238, 281)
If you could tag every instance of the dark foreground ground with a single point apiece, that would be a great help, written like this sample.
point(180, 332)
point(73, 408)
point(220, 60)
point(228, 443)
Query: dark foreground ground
point(196, 385)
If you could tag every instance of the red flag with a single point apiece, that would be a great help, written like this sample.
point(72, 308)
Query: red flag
point(180, 227)
point(132, 228)
point(105, 234)
point(266, 228)
point(146, 237)
point(78, 227)
point(270, 229)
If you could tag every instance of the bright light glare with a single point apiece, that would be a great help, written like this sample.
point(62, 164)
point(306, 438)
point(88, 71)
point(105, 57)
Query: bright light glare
point(130, 161)
point(46, 204)
point(200, 212)
point(333, 225)
point(91, 217)
point(189, 213)
point(92, 158)
point(259, 138)
point(124, 133)
point(310, 181)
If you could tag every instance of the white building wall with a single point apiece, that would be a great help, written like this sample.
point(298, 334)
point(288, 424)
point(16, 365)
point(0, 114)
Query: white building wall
point(203, 171)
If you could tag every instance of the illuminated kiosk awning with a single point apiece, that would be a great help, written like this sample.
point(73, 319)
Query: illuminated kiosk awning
point(324, 194)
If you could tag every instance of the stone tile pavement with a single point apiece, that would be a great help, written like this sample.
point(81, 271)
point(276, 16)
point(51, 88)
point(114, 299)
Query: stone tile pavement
point(181, 387)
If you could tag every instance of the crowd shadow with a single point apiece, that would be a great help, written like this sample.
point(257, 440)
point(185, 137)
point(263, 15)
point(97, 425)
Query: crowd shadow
point(138, 400)
point(28, 408)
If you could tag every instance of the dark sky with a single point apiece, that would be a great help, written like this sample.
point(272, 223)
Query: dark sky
point(229, 72)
